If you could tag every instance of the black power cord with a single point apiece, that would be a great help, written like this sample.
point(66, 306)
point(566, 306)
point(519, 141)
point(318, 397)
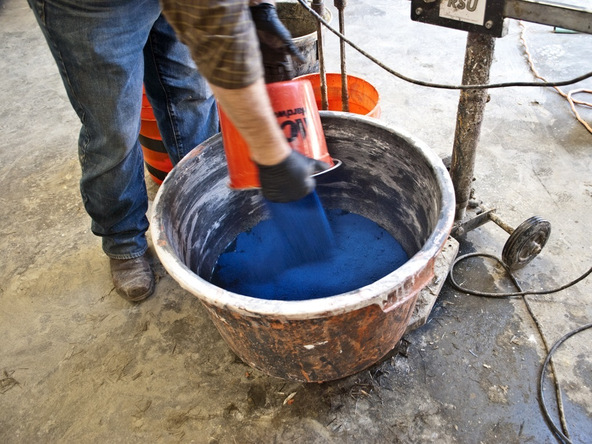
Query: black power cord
point(520, 292)
point(438, 85)
point(562, 436)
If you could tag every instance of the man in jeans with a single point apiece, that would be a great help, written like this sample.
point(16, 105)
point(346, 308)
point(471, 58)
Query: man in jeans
point(105, 50)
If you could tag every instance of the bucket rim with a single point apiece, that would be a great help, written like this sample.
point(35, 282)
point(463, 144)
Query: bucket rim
point(371, 91)
point(376, 293)
point(314, 75)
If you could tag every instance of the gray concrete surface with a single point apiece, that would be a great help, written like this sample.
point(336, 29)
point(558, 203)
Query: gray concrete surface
point(79, 364)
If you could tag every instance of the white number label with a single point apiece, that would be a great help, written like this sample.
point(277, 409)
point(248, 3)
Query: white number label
point(470, 11)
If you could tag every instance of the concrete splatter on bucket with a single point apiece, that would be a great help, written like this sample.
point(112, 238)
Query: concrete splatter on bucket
point(387, 176)
point(303, 28)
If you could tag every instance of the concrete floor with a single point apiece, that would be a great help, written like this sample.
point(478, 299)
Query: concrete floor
point(78, 363)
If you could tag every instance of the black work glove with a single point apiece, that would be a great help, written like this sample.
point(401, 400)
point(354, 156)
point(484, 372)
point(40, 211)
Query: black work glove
point(276, 44)
point(290, 179)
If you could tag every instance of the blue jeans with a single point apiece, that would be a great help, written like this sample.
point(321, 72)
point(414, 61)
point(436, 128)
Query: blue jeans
point(105, 50)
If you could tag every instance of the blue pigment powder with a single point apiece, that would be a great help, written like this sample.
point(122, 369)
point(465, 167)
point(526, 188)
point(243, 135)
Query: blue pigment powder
point(257, 262)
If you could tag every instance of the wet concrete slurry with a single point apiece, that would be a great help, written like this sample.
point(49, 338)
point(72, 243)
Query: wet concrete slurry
point(79, 363)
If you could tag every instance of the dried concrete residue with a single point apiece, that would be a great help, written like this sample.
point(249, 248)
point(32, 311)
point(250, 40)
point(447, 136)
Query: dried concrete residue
point(7, 382)
point(498, 394)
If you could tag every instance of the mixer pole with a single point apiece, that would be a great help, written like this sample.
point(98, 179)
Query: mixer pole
point(471, 107)
point(340, 5)
point(319, 7)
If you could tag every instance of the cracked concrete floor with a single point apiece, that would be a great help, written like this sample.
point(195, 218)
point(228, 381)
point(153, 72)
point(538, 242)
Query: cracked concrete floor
point(79, 364)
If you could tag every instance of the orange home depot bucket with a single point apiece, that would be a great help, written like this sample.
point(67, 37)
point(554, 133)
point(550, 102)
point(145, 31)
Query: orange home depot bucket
point(156, 158)
point(296, 110)
point(363, 97)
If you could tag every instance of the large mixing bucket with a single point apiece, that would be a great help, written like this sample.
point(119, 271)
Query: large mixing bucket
point(386, 176)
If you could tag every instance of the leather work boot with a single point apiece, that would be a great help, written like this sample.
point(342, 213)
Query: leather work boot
point(133, 278)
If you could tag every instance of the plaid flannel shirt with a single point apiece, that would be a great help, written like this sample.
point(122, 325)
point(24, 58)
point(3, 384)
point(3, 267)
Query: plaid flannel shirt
point(221, 37)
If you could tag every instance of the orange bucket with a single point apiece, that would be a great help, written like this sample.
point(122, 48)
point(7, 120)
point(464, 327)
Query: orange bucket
point(363, 97)
point(296, 110)
point(156, 158)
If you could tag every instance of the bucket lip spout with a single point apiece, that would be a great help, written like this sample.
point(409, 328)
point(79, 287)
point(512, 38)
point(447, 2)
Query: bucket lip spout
point(380, 292)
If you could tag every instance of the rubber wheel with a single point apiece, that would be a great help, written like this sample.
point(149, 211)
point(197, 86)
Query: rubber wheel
point(526, 242)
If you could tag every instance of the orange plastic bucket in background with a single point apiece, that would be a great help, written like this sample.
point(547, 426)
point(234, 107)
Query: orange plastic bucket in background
point(156, 158)
point(296, 110)
point(363, 97)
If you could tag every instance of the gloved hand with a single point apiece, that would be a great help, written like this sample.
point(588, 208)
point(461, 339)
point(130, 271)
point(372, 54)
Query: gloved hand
point(290, 179)
point(275, 42)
